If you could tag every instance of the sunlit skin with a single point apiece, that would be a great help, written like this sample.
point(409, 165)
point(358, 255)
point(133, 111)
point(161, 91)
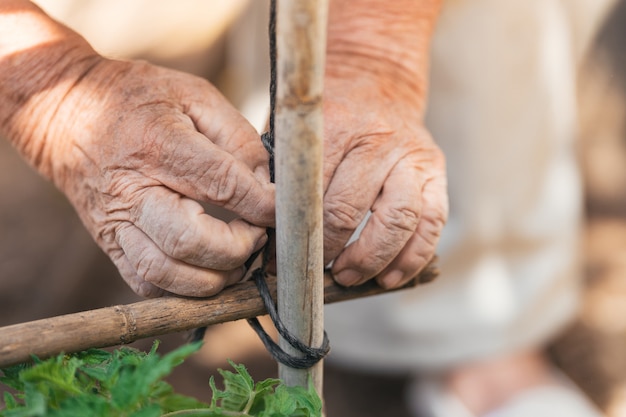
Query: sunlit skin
point(378, 155)
point(134, 147)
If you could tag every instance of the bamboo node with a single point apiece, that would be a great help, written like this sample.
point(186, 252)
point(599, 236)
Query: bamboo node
point(129, 326)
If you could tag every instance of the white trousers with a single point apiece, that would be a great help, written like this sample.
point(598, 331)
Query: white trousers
point(503, 108)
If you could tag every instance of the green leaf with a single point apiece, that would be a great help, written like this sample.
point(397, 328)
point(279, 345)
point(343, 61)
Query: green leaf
point(52, 380)
point(93, 356)
point(263, 390)
point(281, 404)
point(173, 402)
point(238, 391)
point(216, 394)
point(292, 402)
point(9, 401)
point(128, 383)
point(78, 405)
point(150, 411)
point(137, 375)
point(35, 405)
point(11, 376)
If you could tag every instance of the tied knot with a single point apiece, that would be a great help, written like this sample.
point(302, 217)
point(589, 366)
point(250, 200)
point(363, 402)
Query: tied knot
point(308, 356)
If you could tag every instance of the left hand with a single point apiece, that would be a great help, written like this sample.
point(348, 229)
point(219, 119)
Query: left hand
point(379, 157)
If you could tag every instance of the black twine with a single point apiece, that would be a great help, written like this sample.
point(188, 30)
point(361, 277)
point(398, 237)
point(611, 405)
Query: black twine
point(309, 356)
point(267, 138)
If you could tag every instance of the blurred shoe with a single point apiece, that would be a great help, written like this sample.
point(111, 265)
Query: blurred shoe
point(430, 398)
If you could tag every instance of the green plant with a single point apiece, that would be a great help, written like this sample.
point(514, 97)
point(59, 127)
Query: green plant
point(128, 383)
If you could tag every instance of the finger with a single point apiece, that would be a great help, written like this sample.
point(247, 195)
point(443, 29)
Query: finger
point(134, 281)
point(420, 248)
point(394, 219)
point(344, 205)
point(183, 231)
point(155, 267)
point(196, 167)
point(230, 131)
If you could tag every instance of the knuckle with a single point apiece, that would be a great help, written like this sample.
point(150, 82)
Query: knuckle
point(400, 219)
point(222, 188)
point(430, 231)
point(150, 266)
point(341, 216)
point(180, 245)
point(419, 258)
point(379, 259)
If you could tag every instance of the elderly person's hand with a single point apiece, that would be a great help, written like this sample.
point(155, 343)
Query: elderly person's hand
point(135, 147)
point(378, 156)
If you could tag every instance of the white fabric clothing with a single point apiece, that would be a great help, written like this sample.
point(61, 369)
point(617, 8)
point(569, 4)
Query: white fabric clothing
point(430, 398)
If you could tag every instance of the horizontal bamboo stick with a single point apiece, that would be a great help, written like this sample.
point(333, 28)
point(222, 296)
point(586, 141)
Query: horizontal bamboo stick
point(124, 324)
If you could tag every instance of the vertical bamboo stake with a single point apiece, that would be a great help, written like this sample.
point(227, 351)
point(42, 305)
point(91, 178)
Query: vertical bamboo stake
point(301, 46)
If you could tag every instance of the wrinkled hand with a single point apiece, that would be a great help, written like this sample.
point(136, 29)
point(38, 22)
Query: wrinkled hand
point(379, 157)
point(135, 147)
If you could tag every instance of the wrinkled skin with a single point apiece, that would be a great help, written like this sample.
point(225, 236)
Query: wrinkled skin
point(166, 147)
point(379, 157)
point(135, 181)
point(135, 147)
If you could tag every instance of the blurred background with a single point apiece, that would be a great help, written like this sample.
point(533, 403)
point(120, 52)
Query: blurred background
point(50, 266)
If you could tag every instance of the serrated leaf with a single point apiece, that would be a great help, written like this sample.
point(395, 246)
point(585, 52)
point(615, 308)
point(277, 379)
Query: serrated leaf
point(216, 394)
point(262, 390)
point(128, 383)
point(281, 404)
point(238, 388)
point(266, 386)
point(53, 379)
point(308, 402)
point(293, 402)
point(137, 375)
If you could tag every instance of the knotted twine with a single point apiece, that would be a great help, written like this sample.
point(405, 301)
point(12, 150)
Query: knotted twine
point(308, 356)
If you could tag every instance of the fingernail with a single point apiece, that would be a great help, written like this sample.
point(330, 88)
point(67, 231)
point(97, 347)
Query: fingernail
point(392, 279)
point(260, 243)
point(348, 277)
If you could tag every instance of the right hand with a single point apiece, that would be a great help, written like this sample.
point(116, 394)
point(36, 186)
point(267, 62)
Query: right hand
point(133, 146)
